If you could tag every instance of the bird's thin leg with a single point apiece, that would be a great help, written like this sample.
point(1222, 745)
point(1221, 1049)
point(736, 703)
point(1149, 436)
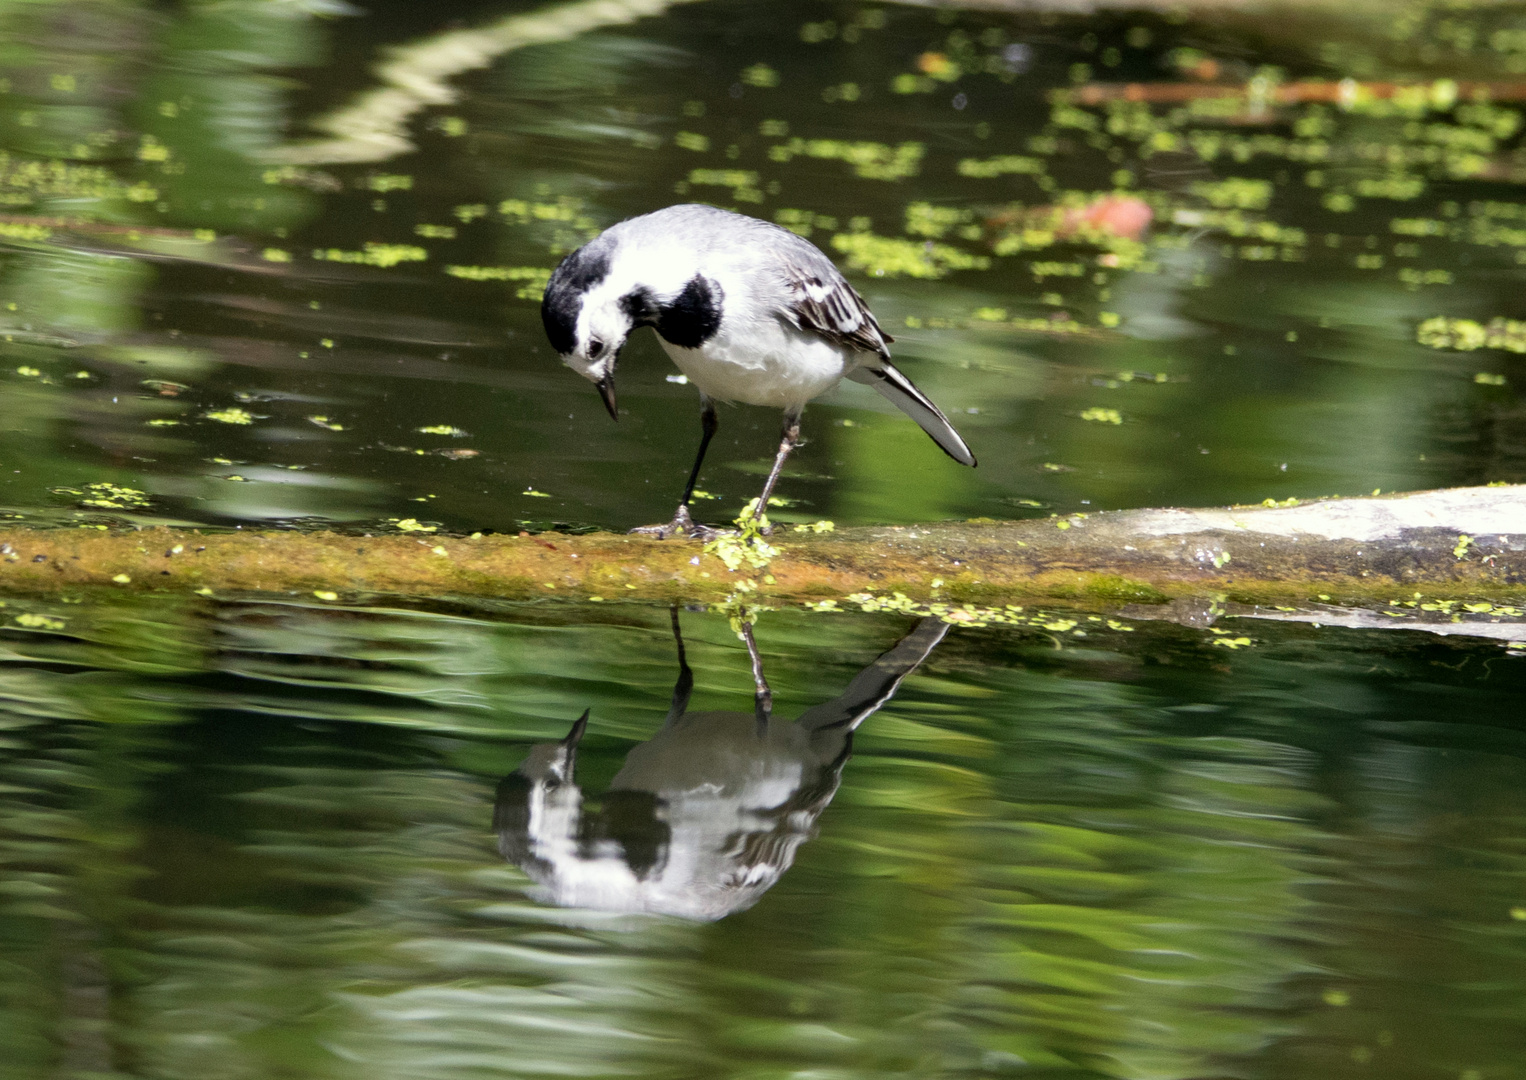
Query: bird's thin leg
point(763, 697)
point(787, 442)
point(709, 424)
point(685, 685)
point(682, 523)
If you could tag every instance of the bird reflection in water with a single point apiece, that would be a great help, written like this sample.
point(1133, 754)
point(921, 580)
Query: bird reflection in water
point(704, 817)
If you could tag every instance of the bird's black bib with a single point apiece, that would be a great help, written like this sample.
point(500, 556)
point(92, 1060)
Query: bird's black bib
point(688, 320)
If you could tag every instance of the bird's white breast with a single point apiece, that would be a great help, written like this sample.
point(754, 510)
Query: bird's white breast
point(763, 361)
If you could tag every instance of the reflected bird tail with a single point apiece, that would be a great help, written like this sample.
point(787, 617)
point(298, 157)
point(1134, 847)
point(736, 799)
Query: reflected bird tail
point(871, 687)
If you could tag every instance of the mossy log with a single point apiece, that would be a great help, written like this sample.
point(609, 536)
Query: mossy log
point(1462, 544)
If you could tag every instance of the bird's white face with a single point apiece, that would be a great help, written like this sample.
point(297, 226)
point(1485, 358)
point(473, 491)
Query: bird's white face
point(602, 328)
point(601, 332)
point(602, 291)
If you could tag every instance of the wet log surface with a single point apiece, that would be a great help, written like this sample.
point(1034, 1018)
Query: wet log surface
point(1454, 542)
point(1459, 545)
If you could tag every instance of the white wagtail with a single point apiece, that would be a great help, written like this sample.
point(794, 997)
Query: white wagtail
point(748, 311)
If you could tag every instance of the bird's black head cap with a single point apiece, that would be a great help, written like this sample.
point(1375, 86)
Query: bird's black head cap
point(569, 284)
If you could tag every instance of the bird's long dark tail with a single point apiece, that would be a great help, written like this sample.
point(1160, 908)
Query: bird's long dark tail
point(889, 381)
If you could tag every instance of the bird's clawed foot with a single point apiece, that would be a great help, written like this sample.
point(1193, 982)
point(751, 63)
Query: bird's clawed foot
point(681, 527)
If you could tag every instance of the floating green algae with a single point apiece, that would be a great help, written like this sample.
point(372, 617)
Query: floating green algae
point(374, 254)
point(888, 256)
point(870, 160)
point(233, 415)
point(1468, 335)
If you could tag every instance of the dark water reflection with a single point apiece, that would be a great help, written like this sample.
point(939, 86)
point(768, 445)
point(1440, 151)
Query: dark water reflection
point(259, 838)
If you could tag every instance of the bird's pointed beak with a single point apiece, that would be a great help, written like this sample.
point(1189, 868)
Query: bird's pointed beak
point(606, 387)
point(575, 736)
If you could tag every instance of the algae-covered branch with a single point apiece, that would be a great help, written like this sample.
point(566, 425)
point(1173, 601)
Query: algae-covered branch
point(1463, 545)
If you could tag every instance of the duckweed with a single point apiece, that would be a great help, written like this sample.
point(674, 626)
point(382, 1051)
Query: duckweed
point(523, 212)
point(1467, 335)
point(1006, 164)
point(803, 222)
point(746, 547)
point(972, 615)
point(870, 160)
point(760, 75)
point(534, 278)
point(15, 230)
point(1229, 642)
point(925, 219)
point(104, 495)
point(1235, 193)
point(730, 178)
point(883, 256)
point(1100, 415)
point(28, 179)
point(374, 254)
point(230, 416)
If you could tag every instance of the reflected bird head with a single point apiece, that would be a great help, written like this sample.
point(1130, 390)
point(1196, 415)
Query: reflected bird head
point(553, 763)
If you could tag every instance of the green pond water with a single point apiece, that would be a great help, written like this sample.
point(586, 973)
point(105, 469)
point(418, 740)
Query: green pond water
point(250, 279)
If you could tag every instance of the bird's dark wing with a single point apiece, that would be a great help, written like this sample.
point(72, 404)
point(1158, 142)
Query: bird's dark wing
point(825, 304)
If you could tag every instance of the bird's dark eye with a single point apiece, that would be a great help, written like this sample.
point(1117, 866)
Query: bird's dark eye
point(595, 348)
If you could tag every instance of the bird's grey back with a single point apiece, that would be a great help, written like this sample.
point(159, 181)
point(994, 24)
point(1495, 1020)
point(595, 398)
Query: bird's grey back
point(707, 233)
point(781, 271)
point(709, 229)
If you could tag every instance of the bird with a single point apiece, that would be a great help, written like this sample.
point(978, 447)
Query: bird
point(749, 311)
point(704, 817)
